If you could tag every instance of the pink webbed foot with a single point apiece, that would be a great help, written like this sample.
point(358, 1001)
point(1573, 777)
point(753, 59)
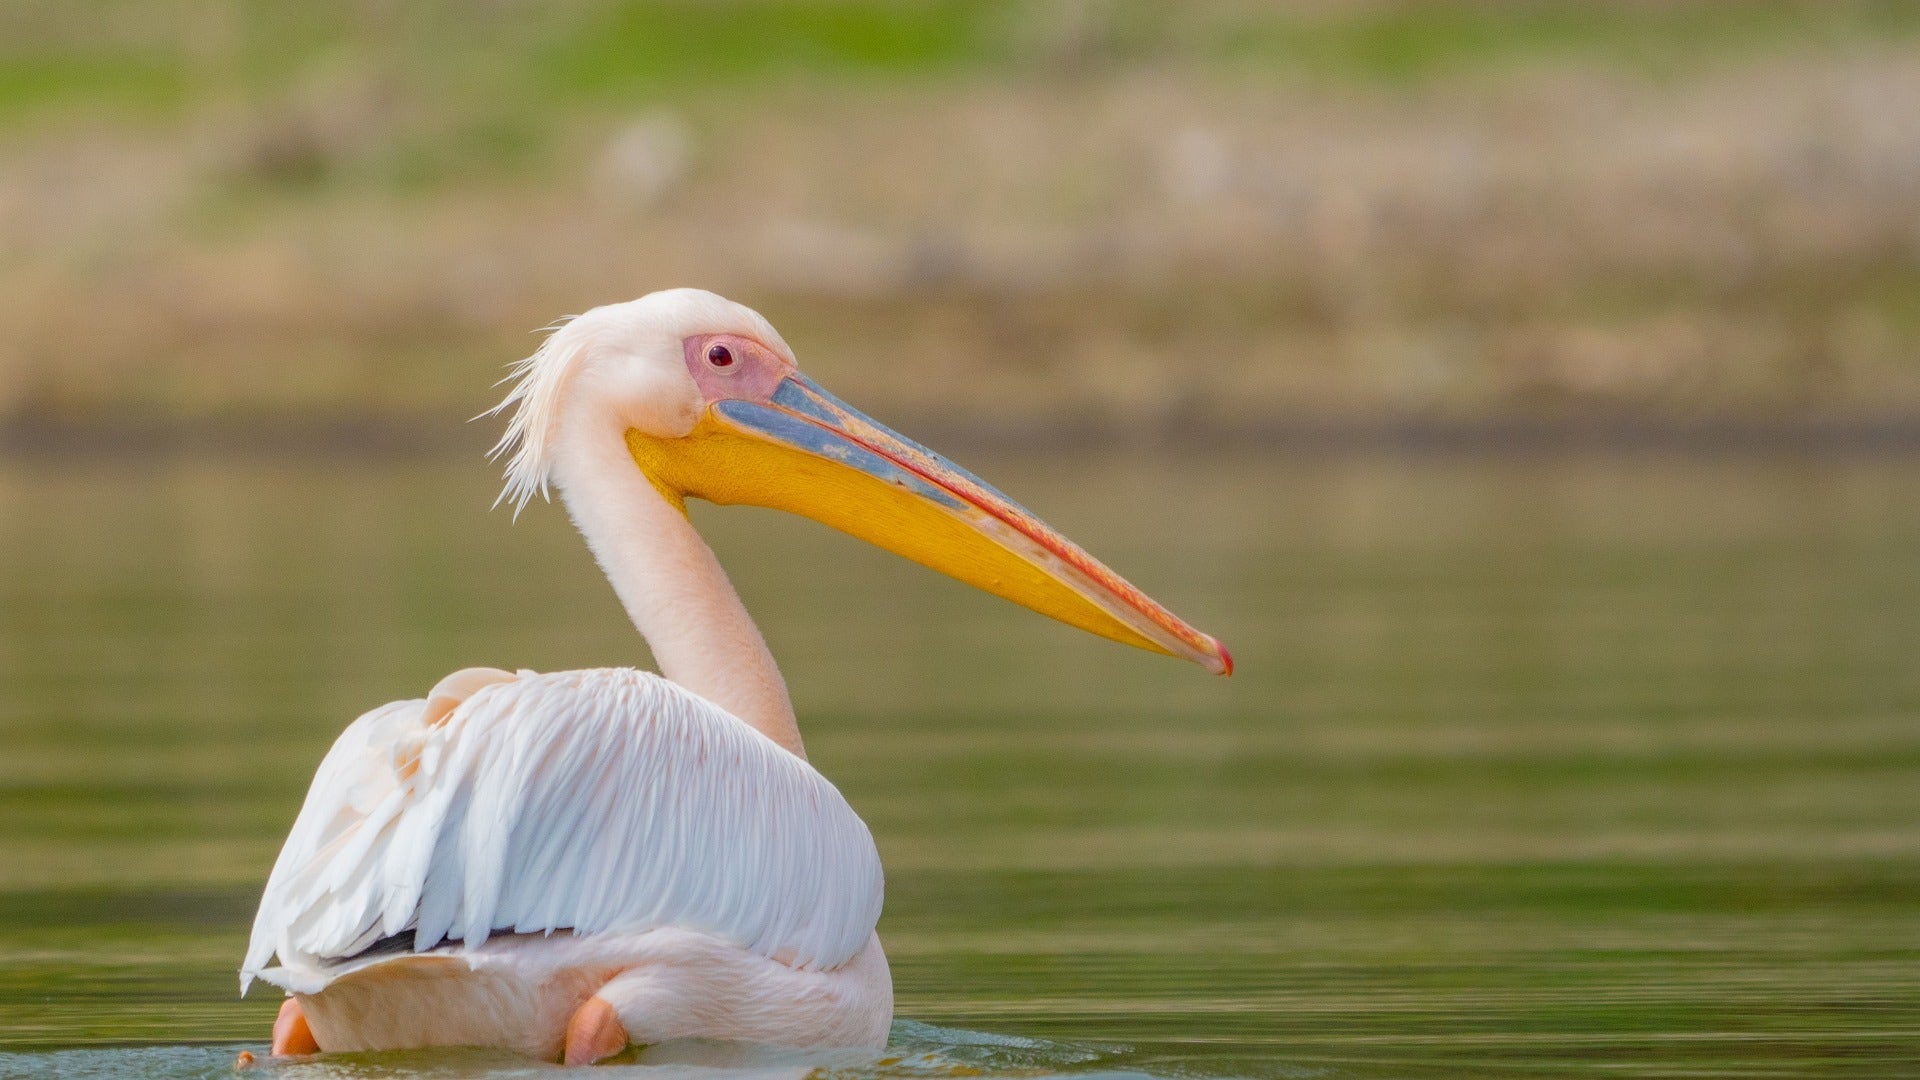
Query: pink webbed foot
point(291, 1035)
point(594, 1033)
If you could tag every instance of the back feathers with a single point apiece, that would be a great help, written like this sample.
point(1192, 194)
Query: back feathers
point(588, 801)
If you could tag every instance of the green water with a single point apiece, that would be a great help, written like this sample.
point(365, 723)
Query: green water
point(1554, 768)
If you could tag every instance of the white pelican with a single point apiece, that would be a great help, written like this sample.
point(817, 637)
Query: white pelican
point(566, 864)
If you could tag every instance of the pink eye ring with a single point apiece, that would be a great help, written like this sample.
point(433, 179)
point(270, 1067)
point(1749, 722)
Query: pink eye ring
point(719, 356)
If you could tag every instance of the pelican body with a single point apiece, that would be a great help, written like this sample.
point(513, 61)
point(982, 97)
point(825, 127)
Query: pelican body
point(566, 864)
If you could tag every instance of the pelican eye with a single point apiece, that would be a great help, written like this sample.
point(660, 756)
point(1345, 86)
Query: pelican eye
point(719, 356)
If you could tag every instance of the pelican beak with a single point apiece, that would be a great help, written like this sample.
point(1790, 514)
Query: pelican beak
point(802, 450)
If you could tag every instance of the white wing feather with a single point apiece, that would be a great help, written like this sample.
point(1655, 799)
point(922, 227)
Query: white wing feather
point(587, 801)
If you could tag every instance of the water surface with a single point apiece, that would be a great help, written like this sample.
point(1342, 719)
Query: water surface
point(1574, 767)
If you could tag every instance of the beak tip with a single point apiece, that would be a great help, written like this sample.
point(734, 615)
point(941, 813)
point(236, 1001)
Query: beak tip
point(1224, 668)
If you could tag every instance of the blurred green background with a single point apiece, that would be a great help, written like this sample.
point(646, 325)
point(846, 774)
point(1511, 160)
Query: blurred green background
point(1527, 391)
point(1107, 216)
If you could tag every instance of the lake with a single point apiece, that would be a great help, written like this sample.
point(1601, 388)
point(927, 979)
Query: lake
point(1570, 766)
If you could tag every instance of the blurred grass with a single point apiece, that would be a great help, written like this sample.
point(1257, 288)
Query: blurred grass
point(1413, 40)
point(1037, 212)
point(169, 56)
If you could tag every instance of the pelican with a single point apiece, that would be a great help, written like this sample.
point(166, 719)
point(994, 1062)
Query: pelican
point(567, 864)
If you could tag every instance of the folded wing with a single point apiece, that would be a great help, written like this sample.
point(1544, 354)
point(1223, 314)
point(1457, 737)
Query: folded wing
point(586, 801)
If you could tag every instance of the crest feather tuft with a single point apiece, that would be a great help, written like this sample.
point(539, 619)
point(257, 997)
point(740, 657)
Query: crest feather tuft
point(535, 400)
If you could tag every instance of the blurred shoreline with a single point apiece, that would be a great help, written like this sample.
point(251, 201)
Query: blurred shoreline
point(1514, 223)
point(321, 437)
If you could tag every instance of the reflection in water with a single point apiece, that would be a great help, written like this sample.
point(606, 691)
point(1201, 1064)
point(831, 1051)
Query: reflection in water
point(1551, 766)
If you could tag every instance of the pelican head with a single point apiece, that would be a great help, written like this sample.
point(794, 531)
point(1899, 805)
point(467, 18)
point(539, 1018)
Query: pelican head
point(710, 404)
